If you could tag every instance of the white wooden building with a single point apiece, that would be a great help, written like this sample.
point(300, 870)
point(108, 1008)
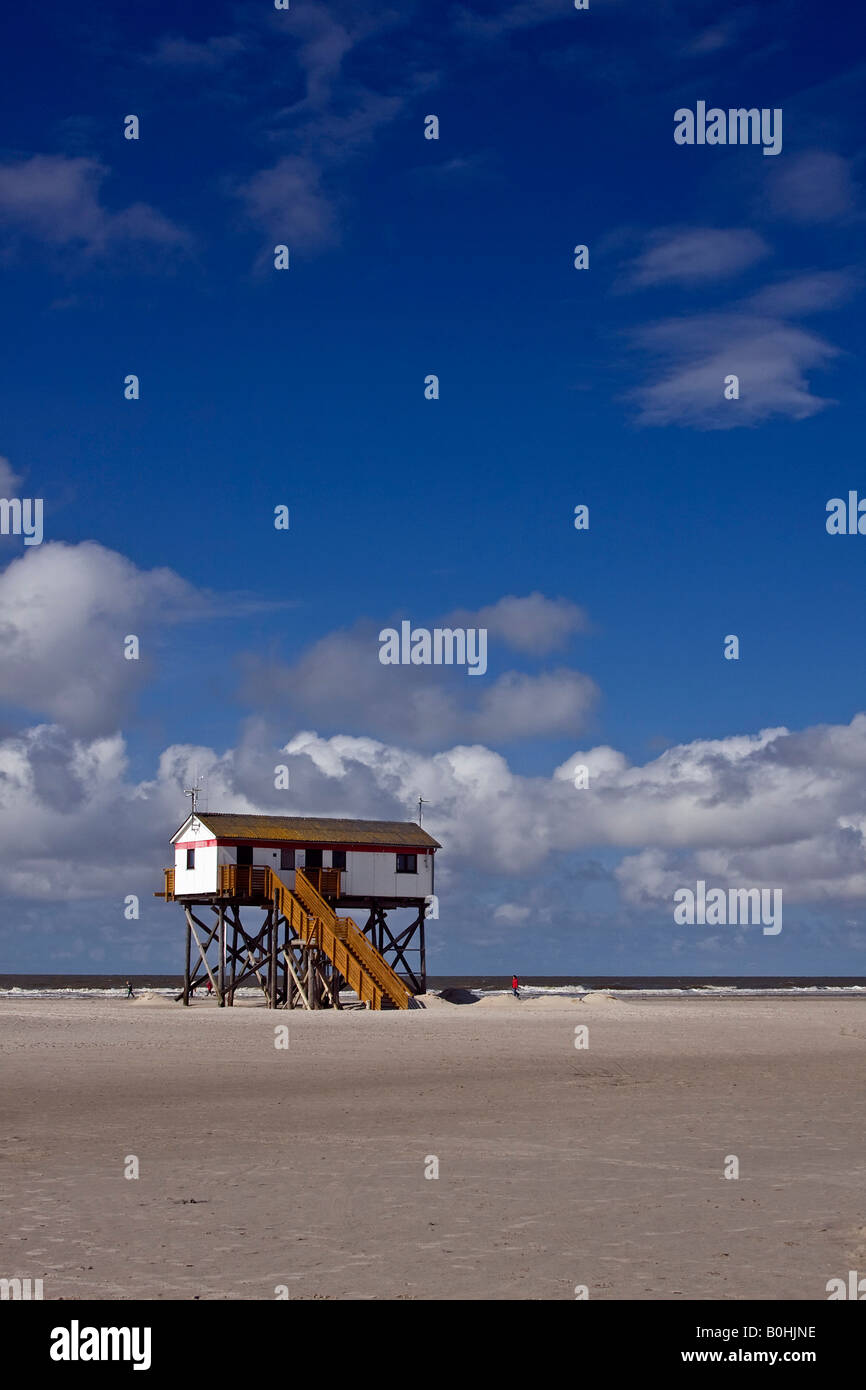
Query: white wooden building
point(387, 862)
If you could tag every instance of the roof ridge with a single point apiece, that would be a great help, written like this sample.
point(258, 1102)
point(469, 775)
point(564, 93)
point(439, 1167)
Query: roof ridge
point(348, 830)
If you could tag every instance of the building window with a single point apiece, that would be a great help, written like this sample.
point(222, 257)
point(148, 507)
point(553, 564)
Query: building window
point(407, 863)
point(190, 859)
point(338, 858)
point(287, 858)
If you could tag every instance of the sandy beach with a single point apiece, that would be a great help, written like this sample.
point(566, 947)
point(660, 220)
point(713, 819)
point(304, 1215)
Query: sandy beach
point(558, 1166)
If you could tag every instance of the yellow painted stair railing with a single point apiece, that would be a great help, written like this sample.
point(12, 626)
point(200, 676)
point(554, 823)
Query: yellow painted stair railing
point(311, 917)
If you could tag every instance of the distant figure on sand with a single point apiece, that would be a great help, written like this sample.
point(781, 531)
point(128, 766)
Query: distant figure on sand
point(209, 987)
point(514, 986)
point(129, 993)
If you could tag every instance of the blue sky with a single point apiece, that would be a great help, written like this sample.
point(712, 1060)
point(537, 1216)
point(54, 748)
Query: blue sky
point(557, 387)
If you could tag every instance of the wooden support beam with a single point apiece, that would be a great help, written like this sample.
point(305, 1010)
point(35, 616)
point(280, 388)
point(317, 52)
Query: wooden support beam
point(337, 983)
point(252, 952)
point(186, 971)
point(201, 949)
point(327, 988)
point(297, 981)
point(197, 978)
point(221, 913)
point(294, 955)
point(312, 982)
point(287, 979)
point(288, 955)
point(399, 948)
point(234, 952)
point(255, 970)
point(272, 959)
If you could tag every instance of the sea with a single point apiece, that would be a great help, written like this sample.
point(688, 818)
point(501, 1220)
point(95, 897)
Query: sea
point(573, 986)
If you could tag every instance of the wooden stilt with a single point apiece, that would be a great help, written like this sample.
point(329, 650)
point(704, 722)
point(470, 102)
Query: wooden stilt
point(312, 981)
point(422, 944)
point(186, 971)
point(222, 960)
point(234, 948)
point(272, 959)
point(291, 987)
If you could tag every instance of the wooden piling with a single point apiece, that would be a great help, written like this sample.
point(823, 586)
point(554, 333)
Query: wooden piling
point(222, 960)
point(186, 970)
point(272, 959)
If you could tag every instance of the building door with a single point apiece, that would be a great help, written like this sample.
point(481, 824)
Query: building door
point(313, 859)
point(245, 854)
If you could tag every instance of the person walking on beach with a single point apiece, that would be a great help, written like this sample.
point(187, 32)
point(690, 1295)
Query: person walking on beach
point(514, 986)
point(209, 989)
point(129, 993)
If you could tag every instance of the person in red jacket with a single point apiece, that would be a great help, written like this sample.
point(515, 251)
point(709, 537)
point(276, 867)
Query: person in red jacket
point(514, 985)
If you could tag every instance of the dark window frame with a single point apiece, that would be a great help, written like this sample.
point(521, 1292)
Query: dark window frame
point(190, 857)
point(287, 858)
point(406, 858)
point(338, 854)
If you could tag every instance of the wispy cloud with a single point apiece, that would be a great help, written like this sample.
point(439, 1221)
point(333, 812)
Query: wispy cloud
point(695, 255)
point(755, 340)
point(535, 625)
point(324, 42)
point(806, 294)
point(56, 201)
point(334, 120)
point(816, 186)
point(509, 19)
point(288, 203)
point(10, 481)
point(717, 37)
point(173, 51)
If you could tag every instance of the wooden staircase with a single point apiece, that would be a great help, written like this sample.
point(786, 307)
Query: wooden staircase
point(315, 922)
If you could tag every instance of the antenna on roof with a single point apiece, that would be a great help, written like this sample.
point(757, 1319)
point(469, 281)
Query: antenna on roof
point(193, 793)
point(421, 802)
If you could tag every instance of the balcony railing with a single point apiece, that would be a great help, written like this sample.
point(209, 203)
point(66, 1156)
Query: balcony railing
point(249, 881)
point(325, 881)
point(241, 880)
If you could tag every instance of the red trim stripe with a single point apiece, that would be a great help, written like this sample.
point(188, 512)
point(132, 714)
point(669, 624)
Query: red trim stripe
point(352, 849)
